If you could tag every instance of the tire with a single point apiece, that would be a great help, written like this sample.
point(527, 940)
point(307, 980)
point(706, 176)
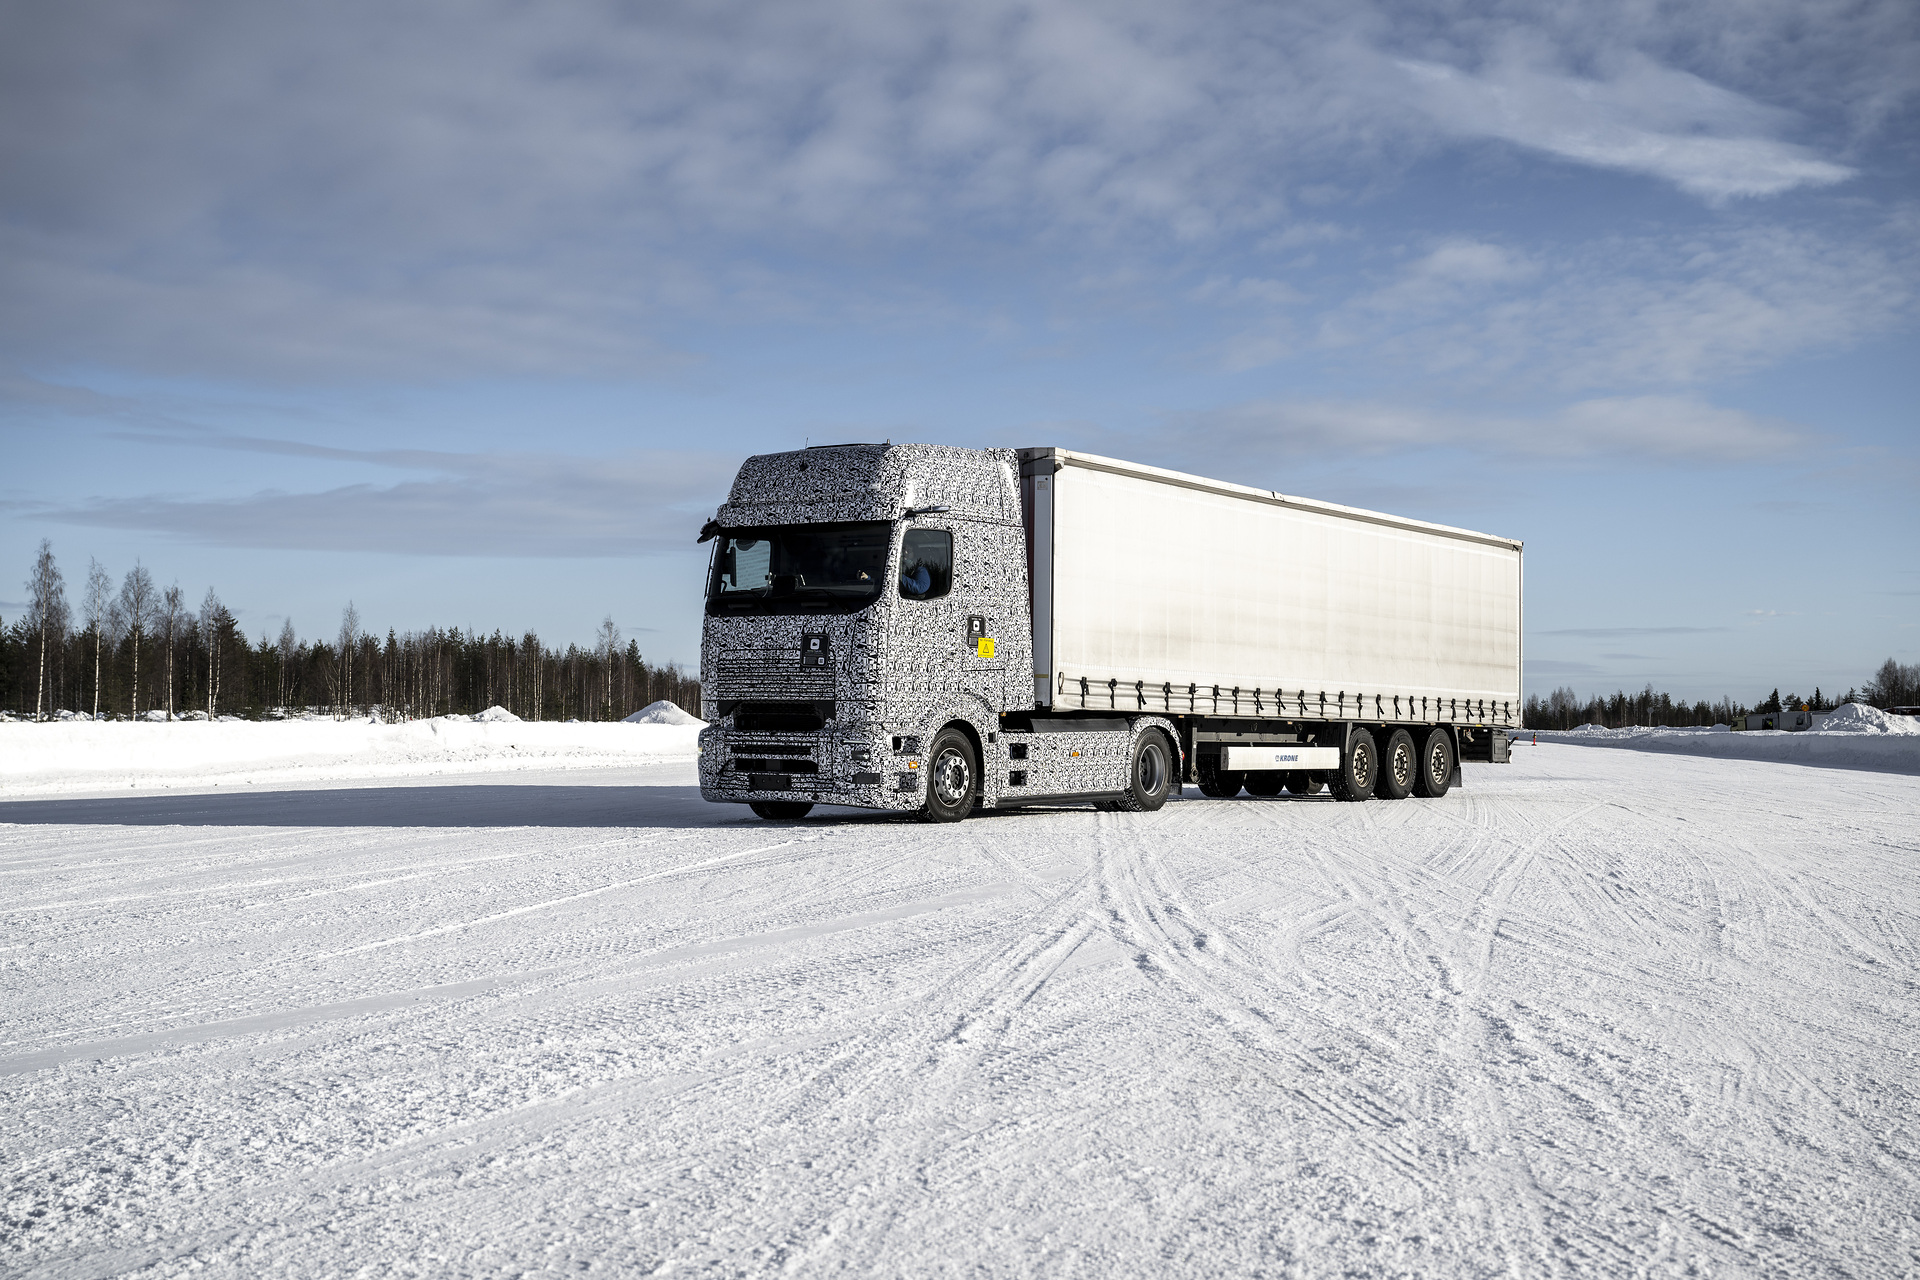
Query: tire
point(1149, 774)
point(1306, 782)
point(781, 810)
point(1359, 768)
point(1217, 782)
point(1266, 782)
point(1435, 775)
point(952, 777)
point(1399, 766)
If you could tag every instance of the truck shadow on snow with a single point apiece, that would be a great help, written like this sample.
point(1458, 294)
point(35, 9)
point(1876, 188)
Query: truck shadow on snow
point(461, 805)
point(454, 805)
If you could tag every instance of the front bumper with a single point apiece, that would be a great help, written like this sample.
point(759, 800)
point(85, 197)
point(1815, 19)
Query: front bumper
point(853, 765)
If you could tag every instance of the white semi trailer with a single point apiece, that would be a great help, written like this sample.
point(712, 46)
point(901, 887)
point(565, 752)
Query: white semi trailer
point(916, 627)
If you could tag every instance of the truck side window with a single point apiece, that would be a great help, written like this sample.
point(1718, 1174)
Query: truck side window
point(926, 564)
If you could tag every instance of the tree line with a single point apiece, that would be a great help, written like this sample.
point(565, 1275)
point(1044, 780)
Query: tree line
point(134, 649)
point(1895, 684)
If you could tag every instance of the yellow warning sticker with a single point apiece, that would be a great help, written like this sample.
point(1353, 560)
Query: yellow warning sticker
point(984, 646)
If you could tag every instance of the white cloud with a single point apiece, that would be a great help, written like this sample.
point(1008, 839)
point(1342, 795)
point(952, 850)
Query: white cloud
point(1648, 311)
point(357, 189)
point(452, 504)
point(1646, 118)
point(1670, 429)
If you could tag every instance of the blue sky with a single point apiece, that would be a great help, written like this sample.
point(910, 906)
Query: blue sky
point(468, 313)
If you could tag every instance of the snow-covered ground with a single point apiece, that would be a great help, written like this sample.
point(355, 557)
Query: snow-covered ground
point(78, 756)
point(1599, 1012)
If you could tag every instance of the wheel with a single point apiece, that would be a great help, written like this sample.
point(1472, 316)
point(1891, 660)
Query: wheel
point(781, 810)
point(1151, 776)
point(1436, 765)
point(1217, 782)
point(1399, 765)
point(1266, 782)
point(1306, 782)
point(1359, 768)
point(952, 775)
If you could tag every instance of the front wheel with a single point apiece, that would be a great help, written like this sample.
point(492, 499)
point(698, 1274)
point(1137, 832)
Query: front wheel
point(952, 776)
point(1151, 776)
point(781, 810)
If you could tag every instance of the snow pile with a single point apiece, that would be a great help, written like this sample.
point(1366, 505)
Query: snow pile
point(663, 712)
point(76, 756)
point(1853, 717)
point(496, 715)
point(1863, 738)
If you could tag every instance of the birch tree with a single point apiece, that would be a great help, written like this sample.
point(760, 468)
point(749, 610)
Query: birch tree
point(349, 635)
point(609, 650)
point(172, 609)
point(47, 607)
point(288, 643)
point(137, 601)
point(211, 616)
point(99, 605)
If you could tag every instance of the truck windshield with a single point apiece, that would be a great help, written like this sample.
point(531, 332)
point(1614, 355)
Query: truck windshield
point(799, 568)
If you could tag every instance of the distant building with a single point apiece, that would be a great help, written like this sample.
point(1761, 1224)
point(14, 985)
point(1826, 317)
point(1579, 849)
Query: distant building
point(1788, 720)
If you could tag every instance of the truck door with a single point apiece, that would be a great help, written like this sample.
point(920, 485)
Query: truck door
point(939, 624)
point(983, 600)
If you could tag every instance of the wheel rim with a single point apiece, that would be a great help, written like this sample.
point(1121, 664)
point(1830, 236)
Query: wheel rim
point(1152, 770)
point(950, 776)
point(1363, 765)
point(1402, 765)
point(1437, 764)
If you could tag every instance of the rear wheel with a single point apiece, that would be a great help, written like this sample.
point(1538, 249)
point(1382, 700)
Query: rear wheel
point(1359, 768)
point(1436, 765)
point(781, 810)
point(951, 777)
point(1399, 764)
point(1265, 782)
point(1217, 782)
point(1150, 778)
point(1306, 782)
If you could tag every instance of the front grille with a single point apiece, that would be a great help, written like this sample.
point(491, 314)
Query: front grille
point(780, 717)
point(775, 765)
point(774, 673)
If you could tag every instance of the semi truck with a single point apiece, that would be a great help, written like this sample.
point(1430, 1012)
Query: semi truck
point(937, 630)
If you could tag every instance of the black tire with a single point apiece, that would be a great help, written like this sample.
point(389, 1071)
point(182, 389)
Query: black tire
point(1306, 782)
point(781, 810)
point(1359, 768)
point(1399, 766)
point(1217, 782)
point(1436, 765)
point(953, 775)
point(1266, 782)
point(1149, 774)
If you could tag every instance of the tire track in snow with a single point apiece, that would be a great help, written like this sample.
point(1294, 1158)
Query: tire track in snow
point(1146, 911)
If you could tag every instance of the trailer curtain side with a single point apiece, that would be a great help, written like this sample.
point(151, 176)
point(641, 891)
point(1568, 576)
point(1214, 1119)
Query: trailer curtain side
point(1152, 589)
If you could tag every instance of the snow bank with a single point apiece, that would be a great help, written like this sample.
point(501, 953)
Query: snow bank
point(75, 756)
point(663, 712)
point(1853, 737)
point(496, 715)
point(1853, 717)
